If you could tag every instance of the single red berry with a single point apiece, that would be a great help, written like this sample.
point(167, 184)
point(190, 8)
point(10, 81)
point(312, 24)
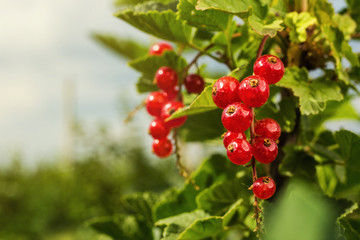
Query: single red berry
point(239, 151)
point(172, 93)
point(168, 109)
point(265, 150)
point(154, 103)
point(236, 117)
point(254, 91)
point(158, 129)
point(264, 187)
point(159, 48)
point(270, 68)
point(267, 128)
point(230, 136)
point(194, 83)
point(225, 91)
point(166, 78)
point(162, 147)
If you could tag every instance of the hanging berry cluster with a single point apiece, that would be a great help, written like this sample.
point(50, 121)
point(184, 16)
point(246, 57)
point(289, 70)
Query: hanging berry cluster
point(163, 103)
point(238, 100)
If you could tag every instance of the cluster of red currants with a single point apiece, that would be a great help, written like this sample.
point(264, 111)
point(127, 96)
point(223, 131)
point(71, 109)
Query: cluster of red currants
point(237, 99)
point(163, 103)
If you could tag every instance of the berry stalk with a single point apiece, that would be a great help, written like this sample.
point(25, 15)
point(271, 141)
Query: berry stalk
point(252, 137)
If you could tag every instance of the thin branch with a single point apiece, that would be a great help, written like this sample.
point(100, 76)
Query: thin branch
point(183, 171)
point(207, 54)
point(261, 47)
point(197, 57)
point(132, 113)
point(252, 136)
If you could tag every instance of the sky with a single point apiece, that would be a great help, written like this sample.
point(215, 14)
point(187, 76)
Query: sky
point(44, 44)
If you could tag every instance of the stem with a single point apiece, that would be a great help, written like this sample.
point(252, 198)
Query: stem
point(197, 57)
point(132, 113)
point(252, 136)
point(183, 171)
point(208, 54)
point(262, 45)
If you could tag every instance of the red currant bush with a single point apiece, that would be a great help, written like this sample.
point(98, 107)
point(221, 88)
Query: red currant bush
point(159, 48)
point(166, 78)
point(236, 117)
point(267, 128)
point(225, 91)
point(265, 150)
point(168, 109)
point(154, 103)
point(254, 91)
point(162, 147)
point(230, 136)
point(194, 83)
point(264, 187)
point(239, 151)
point(158, 129)
point(270, 68)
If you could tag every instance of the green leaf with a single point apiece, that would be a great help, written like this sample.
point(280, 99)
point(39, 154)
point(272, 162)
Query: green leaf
point(202, 229)
point(148, 65)
point(300, 213)
point(123, 47)
point(140, 204)
point(177, 224)
point(268, 26)
point(297, 163)
point(339, 48)
point(346, 24)
point(122, 3)
point(349, 149)
point(313, 95)
point(215, 169)
point(298, 23)
point(183, 220)
point(210, 20)
point(251, 10)
point(220, 196)
point(323, 11)
point(203, 126)
point(229, 6)
point(327, 178)
point(354, 10)
point(122, 227)
point(202, 103)
point(334, 111)
point(164, 24)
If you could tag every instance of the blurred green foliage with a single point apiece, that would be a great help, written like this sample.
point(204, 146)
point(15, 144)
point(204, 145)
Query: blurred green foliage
point(53, 201)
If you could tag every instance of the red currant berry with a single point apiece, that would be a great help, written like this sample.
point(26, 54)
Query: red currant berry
point(154, 103)
point(194, 83)
point(159, 48)
point(172, 93)
point(264, 187)
point(166, 78)
point(158, 129)
point(168, 109)
point(239, 151)
point(236, 117)
point(265, 150)
point(162, 147)
point(254, 91)
point(267, 128)
point(230, 136)
point(269, 67)
point(225, 91)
